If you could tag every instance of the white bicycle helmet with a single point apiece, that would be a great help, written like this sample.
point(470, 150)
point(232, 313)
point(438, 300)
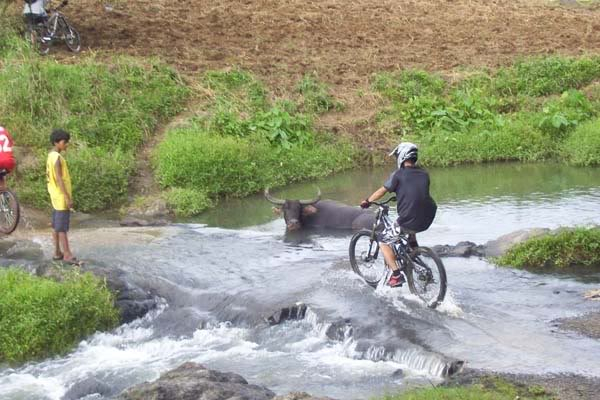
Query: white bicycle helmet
point(405, 151)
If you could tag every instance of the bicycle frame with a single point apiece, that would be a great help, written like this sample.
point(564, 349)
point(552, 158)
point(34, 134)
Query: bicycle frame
point(382, 216)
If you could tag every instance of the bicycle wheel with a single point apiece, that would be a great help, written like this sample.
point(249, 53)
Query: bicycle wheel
point(366, 259)
point(72, 39)
point(34, 36)
point(9, 212)
point(426, 276)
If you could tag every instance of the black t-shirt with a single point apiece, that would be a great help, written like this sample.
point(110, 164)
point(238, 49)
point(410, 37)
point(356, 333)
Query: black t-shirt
point(416, 208)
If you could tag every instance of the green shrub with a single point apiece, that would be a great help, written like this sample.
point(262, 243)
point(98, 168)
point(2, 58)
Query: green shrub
point(547, 75)
point(408, 84)
point(516, 140)
point(315, 95)
point(488, 388)
point(41, 317)
point(561, 115)
point(107, 105)
point(566, 248)
point(239, 166)
point(186, 202)
point(109, 109)
point(100, 178)
point(582, 147)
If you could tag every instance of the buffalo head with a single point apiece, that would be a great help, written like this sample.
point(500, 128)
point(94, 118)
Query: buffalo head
point(294, 210)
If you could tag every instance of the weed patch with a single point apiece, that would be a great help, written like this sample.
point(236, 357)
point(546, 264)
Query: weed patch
point(40, 317)
point(566, 248)
point(109, 109)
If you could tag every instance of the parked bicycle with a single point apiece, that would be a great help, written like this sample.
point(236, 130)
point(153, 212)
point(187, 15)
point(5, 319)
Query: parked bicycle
point(424, 270)
point(43, 34)
point(9, 209)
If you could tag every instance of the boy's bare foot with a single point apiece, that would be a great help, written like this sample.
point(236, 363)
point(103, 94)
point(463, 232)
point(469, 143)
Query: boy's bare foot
point(58, 257)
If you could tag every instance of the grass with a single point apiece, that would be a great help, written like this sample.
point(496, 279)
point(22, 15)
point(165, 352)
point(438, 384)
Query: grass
point(245, 141)
point(534, 110)
point(573, 247)
point(489, 388)
point(109, 107)
point(40, 317)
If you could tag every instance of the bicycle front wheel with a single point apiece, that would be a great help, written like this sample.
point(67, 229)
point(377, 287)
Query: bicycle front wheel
point(72, 39)
point(9, 212)
point(426, 276)
point(366, 258)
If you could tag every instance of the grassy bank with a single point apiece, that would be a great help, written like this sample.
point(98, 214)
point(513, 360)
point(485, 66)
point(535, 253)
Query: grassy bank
point(535, 110)
point(40, 317)
point(574, 247)
point(243, 140)
point(110, 107)
point(487, 389)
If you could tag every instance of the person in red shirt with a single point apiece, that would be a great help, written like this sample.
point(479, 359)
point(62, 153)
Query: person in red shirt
point(7, 159)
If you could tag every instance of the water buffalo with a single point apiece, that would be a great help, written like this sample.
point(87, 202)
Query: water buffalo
point(317, 213)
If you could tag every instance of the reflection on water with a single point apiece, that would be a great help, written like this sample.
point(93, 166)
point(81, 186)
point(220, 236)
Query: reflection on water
point(450, 186)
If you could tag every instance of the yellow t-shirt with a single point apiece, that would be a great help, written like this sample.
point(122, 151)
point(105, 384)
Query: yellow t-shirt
point(56, 195)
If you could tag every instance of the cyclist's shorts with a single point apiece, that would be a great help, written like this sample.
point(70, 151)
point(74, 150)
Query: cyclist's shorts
point(390, 235)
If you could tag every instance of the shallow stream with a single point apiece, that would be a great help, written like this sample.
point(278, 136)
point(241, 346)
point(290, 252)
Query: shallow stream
point(222, 275)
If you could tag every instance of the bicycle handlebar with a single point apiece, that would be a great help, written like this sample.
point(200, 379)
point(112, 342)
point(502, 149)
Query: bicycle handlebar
point(383, 203)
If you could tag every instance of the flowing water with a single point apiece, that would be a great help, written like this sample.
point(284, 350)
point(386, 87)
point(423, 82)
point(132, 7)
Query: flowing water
point(221, 276)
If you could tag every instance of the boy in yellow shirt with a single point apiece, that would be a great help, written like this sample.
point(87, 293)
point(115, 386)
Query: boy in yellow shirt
point(59, 187)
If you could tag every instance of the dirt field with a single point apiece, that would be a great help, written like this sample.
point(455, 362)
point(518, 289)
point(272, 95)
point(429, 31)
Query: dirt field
point(344, 41)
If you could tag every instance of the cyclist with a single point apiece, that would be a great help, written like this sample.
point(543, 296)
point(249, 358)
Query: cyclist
point(416, 208)
point(7, 159)
point(34, 11)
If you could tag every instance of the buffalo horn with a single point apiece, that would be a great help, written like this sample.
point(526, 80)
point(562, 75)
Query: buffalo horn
point(272, 199)
point(313, 201)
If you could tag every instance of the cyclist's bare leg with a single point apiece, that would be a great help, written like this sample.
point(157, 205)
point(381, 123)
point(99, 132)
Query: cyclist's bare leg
point(390, 258)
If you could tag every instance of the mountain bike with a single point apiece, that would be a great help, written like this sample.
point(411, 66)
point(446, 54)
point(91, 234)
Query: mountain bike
point(9, 209)
point(42, 35)
point(424, 270)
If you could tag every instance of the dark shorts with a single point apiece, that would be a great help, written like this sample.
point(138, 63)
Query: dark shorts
point(60, 220)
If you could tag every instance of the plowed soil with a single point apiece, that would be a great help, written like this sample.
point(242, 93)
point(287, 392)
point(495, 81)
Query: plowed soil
point(344, 41)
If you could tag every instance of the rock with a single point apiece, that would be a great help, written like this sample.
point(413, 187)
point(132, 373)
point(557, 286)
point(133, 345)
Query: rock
point(132, 301)
point(86, 387)
point(462, 249)
point(22, 249)
point(593, 294)
point(300, 396)
point(587, 324)
point(498, 247)
point(137, 221)
point(194, 381)
point(340, 330)
point(295, 312)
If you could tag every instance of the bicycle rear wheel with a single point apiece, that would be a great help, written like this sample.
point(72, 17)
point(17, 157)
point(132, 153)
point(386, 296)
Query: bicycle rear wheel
point(366, 258)
point(426, 276)
point(9, 212)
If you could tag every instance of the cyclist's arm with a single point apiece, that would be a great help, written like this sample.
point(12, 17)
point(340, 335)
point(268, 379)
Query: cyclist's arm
point(379, 193)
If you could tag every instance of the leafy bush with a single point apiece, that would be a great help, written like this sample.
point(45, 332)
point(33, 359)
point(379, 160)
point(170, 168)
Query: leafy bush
point(109, 109)
point(237, 167)
point(316, 97)
point(488, 388)
point(566, 248)
point(547, 75)
point(408, 84)
point(186, 202)
point(100, 178)
point(516, 140)
point(40, 317)
point(583, 145)
point(562, 114)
